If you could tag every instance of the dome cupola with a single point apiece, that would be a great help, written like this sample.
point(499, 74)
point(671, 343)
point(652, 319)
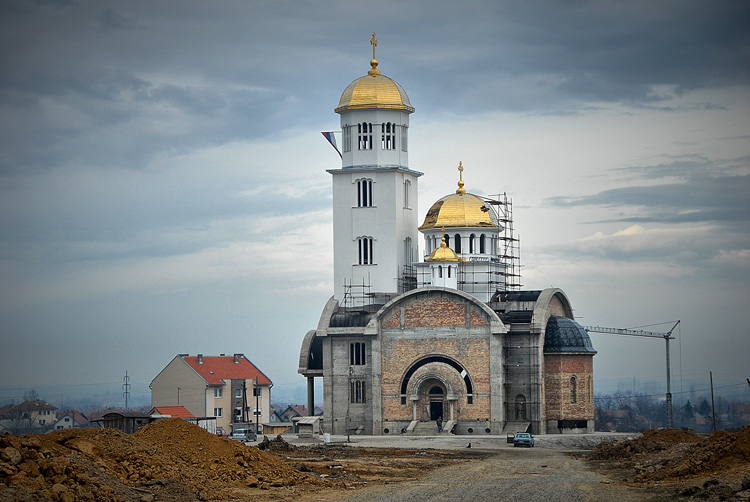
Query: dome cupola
point(460, 209)
point(374, 91)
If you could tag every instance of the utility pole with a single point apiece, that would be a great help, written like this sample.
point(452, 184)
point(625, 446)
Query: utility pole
point(126, 387)
point(257, 408)
point(713, 409)
point(650, 334)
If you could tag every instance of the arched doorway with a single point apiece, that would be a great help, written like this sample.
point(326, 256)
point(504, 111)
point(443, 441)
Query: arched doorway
point(437, 402)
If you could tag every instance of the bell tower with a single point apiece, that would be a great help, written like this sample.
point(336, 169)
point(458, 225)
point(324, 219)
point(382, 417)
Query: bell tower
point(374, 192)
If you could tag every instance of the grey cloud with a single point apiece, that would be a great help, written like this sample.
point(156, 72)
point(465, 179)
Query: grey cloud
point(702, 197)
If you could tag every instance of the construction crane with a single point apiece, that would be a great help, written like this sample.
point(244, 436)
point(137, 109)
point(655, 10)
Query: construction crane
point(649, 334)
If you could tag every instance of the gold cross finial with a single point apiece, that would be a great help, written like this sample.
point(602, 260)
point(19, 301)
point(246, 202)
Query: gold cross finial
point(374, 43)
point(460, 190)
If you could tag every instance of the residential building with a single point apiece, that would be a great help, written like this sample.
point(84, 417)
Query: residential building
point(229, 388)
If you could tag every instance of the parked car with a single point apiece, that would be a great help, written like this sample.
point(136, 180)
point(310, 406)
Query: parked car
point(220, 431)
point(243, 435)
point(523, 439)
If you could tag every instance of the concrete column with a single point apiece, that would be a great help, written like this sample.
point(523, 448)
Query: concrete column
point(310, 396)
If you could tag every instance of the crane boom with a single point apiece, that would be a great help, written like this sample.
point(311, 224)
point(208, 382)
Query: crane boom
point(649, 334)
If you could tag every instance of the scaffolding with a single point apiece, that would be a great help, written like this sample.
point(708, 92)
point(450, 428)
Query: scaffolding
point(510, 243)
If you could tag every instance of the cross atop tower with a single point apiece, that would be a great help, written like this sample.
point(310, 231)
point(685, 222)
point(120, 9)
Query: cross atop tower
point(374, 43)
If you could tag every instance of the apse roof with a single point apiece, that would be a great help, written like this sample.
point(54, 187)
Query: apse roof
point(566, 335)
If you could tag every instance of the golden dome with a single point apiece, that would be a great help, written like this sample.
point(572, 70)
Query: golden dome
point(374, 91)
point(443, 253)
point(460, 209)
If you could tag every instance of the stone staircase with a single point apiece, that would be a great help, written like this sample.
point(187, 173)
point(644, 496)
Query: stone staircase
point(417, 428)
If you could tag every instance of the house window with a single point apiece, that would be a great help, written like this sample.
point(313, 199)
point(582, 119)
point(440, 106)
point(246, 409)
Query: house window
point(357, 354)
point(217, 412)
point(573, 389)
point(388, 136)
point(365, 251)
point(364, 131)
point(238, 393)
point(364, 193)
point(357, 391)
point(257, 411)
point(218, 392)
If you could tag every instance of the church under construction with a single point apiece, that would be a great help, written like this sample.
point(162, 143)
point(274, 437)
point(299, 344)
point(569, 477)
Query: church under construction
point(407, 339)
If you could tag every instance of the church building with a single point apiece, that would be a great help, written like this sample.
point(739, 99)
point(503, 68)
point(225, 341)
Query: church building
point(407, 339)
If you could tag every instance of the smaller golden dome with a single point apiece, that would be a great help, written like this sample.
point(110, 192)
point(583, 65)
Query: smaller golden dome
point(443, 253)
point(461, 209)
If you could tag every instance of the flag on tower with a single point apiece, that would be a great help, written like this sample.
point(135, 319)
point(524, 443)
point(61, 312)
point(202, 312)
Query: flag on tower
point(332, 140)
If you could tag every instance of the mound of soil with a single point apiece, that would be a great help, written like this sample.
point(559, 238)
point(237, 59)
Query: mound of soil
point(169, 460)
point(712, 468)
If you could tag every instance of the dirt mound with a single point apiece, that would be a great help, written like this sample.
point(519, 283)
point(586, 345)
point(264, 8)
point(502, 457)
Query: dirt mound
point(276, 444)
point(721, 452)
point(170, 459)
point(671, 436)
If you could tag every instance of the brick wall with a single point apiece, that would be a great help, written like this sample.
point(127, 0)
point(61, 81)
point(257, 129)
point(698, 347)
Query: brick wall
point(558, 370)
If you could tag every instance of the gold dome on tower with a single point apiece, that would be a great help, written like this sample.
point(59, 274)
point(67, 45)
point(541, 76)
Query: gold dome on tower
point(374, 90)
point(461, 209)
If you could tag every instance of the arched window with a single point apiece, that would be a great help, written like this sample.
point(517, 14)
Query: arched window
point(365, 251)
point(364, 131)
point(364, 193)
point(457, 244)
point(520, 407)
point(449, 271)
point(440, 271)
point(346, 133)
point(448, 240)
point(357, 354)
point(573, 390)
point(407, 189)
point(407, 251)
point(481, 244)
point(472, 247)
point(388, 136)
point(358, 391)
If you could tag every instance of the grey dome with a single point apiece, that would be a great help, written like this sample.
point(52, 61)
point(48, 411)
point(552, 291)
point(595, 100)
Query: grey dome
point(566, 335)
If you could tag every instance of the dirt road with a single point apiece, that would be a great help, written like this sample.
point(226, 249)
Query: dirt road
point(527, 474)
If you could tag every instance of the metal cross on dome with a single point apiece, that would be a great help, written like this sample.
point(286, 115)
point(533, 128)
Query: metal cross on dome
point(374, 43)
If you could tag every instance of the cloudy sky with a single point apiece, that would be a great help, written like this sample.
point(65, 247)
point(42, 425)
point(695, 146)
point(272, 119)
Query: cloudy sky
point(163, 186)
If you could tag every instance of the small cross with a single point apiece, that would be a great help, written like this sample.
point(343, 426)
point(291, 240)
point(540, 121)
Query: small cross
point(460, 171)
point(374, 43)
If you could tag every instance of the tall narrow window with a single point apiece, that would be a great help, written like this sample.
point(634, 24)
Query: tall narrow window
point(520, 407)
point(440, 271)
point(357, 354)
point(481, 244)
point(357, 391)
point(448, 240)
point(407, 189)
point(365, 251)
point(346, 138)
point(407, 251)
point(457, 244)
point(573, 390)
point(388, 136)
point(404, 137)
point(364, 131)
point(364, 193)
point(472, 246)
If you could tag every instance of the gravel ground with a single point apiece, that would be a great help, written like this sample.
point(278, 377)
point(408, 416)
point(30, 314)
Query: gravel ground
point(528, 474)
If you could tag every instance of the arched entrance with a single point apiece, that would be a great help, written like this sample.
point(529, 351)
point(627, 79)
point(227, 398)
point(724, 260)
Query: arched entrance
point(432, 395)
point(437, 402)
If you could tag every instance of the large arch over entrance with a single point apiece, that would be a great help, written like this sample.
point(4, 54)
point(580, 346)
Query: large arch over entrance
point(436, 359)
